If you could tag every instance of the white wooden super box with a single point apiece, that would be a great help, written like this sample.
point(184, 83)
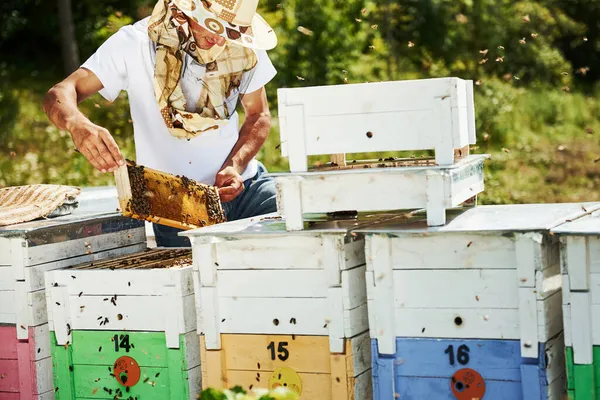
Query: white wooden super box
point(580, 262)
point(94, 231)
point(379, 189)
point(495, 267)
point(489, 278)
point(257, 283)
point(421, 114)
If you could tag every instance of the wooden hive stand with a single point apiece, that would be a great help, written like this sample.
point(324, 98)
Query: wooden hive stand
point(414, 115)
point(580, 266)
point(27, 251)
point(125, 328)
point(471, 310)
point(283, 308)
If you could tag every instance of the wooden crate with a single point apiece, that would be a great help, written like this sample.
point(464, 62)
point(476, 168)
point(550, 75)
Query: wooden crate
point(139, 306)
point(269, 299)
point(165, 199)
point(420, 114)
point(580, 266)
point(379, 189)
point(482, 293)
point(93, 232)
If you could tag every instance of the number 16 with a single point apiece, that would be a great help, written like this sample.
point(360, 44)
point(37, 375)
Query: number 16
point(462, 354)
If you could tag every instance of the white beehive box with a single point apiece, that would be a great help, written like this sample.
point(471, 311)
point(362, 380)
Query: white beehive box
point(580, 257)
point(148, 298)
point(257, 284)
point(421, 114)
point(380, 189)
point(492, 274)
point(95, 230)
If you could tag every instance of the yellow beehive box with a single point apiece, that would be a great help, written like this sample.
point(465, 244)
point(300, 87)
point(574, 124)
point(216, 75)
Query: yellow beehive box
point(278, 308)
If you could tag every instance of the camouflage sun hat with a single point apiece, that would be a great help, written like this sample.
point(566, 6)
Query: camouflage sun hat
point(235, 20)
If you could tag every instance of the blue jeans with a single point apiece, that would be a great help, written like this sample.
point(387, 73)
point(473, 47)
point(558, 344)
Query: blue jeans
point(257, 198)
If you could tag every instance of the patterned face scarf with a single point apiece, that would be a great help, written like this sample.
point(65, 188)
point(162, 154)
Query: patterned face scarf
point(169, 28)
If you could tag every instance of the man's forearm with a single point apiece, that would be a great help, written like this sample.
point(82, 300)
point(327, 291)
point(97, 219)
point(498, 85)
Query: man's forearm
point(60, 104)
point(253, 134)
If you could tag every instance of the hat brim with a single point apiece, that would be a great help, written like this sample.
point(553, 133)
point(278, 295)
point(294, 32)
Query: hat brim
point(259, 35)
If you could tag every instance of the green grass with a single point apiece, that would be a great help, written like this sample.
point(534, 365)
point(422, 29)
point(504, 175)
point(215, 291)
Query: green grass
point(544, 143)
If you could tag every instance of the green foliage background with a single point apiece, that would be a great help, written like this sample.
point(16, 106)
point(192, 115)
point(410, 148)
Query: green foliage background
point(537, 65)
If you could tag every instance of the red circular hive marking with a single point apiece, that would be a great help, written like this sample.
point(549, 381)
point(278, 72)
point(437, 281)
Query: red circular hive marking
point(127, 371)
point(467, 384)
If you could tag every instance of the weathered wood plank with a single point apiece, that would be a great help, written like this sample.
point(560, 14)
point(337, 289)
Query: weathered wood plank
point(484, 288)
point(274, 316)
point(130, 282)
point(285, 252)
point(295, 283)
point(457, 251)
point(152, 316)
point(93, 244)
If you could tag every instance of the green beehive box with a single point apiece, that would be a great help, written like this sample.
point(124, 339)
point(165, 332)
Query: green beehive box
point(125, 328)
point(580, 268)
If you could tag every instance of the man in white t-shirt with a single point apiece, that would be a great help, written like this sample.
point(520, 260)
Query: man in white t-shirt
point(185, 70)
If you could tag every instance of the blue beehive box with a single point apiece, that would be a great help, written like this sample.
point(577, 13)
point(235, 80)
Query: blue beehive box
point(470, 310)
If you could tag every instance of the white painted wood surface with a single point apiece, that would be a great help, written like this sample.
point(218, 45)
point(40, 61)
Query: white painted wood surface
point(582, 327)
point(461, 284)
point(28, 304)
point(39, 254)
point(567, 325)
point(580, 266)
point(153, 300)
point(389, 189)
point(455, 289)
point(404, 115)
point(457, 251)
point(254, 277)
point(435, 189)
point(578, 262)
point(7, 278)
point(23, 278)
point(528, 322)
point(380, 293)
point(35, 276)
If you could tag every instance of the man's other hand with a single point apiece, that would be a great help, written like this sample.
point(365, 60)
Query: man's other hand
point(230, 184)
point(96, 144)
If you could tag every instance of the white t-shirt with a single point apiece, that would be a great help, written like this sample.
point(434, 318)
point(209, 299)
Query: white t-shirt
point(126, 62)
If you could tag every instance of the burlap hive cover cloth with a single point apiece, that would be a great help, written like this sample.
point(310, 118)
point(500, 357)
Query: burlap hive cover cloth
point(26, 203)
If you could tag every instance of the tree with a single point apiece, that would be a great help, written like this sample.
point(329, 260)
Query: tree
point(70, 53)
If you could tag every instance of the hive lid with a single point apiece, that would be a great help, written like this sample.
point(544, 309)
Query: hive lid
point(585, 226)
point(498, 218)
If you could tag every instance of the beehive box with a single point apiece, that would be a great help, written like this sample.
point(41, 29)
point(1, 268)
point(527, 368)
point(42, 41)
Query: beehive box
point(420, 114)
point(580, 261)
point(93, 231)
point(125, 328)
point(283, 308)
point(379, 189)
point(470, 310)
